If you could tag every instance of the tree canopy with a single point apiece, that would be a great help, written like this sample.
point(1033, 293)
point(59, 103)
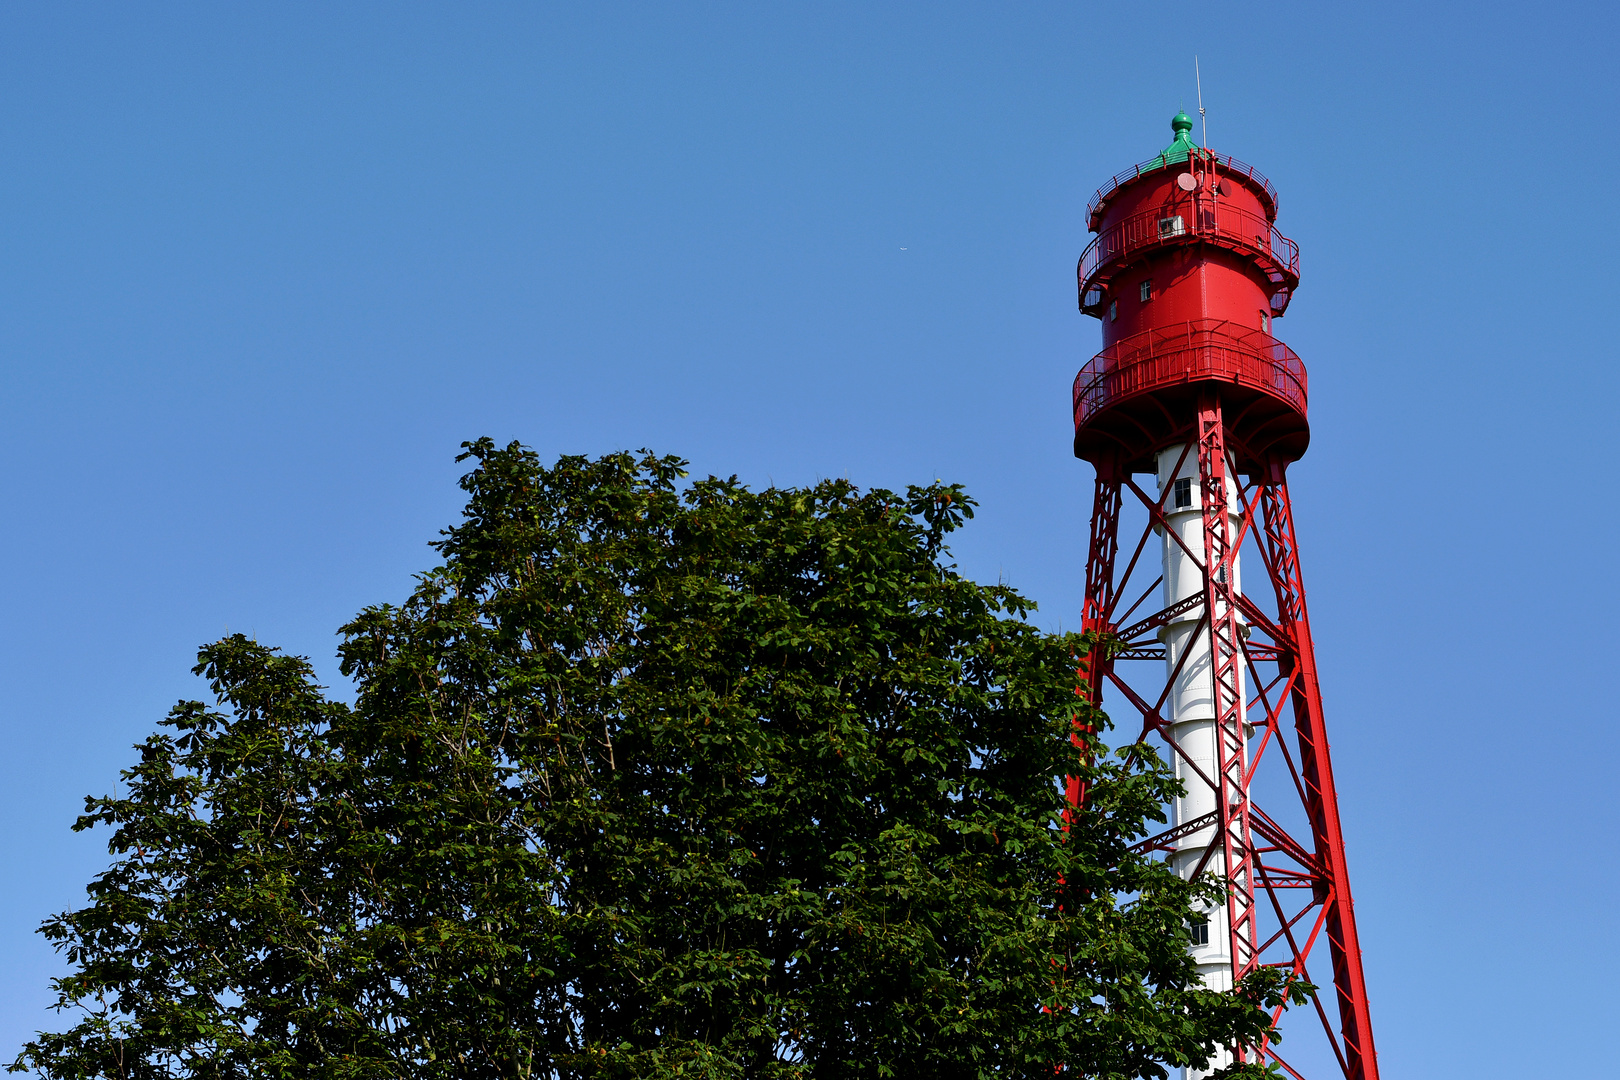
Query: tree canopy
point(647, 777)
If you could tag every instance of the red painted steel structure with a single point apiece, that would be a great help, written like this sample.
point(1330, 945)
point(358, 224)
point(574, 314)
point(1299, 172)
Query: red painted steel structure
point(1186, 273)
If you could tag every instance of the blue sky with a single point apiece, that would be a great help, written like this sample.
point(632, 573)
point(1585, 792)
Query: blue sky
point(263, 267)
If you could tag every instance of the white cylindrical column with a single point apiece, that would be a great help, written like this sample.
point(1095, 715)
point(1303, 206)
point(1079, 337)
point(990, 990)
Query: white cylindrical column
point(1190, 707)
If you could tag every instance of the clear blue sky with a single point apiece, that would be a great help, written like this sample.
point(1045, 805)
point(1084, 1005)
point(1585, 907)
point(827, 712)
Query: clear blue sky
point(263, 267)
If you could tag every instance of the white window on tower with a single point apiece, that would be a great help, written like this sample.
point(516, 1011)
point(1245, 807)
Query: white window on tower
point(1147, 290)
point(1200, 931)
point(1183, 492)
point(1265, 322)
point(1113, 310)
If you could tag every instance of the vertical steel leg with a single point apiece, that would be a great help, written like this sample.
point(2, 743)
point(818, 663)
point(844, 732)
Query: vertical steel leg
point(1298, 657)
point(1099, 603)
point(1226, 660)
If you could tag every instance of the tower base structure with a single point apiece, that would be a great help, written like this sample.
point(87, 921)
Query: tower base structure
point(1232, 697)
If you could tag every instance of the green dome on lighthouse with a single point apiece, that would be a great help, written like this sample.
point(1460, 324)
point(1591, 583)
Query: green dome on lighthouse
point(1180, 146)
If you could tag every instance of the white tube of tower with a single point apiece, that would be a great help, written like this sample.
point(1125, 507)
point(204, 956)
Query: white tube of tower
point(1190, 709)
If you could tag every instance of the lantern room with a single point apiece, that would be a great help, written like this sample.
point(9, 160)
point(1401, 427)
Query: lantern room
point(1186, 274)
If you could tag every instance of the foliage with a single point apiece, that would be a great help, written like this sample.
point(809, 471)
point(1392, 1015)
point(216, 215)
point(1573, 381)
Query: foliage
point(645, 779)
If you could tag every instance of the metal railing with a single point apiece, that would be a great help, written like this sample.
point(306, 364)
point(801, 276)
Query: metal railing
point(1221, 223)
point(1189, 352)
point(1232, 165)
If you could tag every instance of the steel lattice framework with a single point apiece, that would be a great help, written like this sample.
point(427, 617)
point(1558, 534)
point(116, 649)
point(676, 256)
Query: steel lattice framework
point(1286, 892)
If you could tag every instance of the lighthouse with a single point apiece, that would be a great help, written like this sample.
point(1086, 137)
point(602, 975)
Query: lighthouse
point(1190, 416)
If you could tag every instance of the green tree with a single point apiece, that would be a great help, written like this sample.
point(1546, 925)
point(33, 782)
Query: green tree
point(646, 778)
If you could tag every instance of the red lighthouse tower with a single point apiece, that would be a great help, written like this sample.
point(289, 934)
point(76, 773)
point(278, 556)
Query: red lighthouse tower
point(1186, 273)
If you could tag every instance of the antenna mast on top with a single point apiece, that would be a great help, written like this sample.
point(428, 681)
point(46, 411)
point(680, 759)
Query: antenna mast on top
point(1199, 76)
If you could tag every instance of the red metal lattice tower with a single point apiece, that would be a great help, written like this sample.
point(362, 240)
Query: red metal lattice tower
point(1186, 273)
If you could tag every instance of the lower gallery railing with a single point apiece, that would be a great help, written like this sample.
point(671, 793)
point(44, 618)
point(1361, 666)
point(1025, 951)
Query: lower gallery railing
point(1189, 352)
